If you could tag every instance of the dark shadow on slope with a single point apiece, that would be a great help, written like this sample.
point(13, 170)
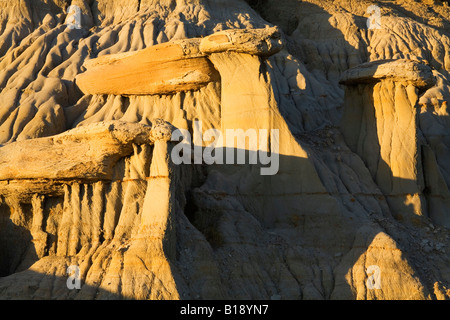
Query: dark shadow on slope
point(403, 210)
point(277, 198)
point(288, 200)
point(309, 214)
point(16, 247)
point(283, 15)
point(301, 37)
point(435, 164)
point(32, 285)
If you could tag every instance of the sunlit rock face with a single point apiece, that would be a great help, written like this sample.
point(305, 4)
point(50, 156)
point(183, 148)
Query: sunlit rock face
point(341, 114)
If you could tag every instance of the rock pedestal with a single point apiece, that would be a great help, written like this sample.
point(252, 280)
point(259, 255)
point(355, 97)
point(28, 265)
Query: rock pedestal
point(380, 123)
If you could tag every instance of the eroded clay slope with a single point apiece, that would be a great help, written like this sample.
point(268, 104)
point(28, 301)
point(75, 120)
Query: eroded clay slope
point(363, 150)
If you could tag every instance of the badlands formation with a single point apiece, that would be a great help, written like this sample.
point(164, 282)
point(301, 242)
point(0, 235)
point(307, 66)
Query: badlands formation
point(357, 208)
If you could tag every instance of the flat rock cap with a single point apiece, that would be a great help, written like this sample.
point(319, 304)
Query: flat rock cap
point(260, 42)
point(403, 70)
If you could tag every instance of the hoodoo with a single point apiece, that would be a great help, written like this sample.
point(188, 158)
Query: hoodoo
point(349, 99)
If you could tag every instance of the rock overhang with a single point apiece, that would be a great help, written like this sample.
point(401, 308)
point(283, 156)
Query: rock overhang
point(175, 66)
point(407, 71)
point(84, 153)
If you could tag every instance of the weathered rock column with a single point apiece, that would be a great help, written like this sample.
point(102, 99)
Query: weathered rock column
point(249, 103)
point(156, 222)
point(380, 124)
point(238, 55)
point(153, 248)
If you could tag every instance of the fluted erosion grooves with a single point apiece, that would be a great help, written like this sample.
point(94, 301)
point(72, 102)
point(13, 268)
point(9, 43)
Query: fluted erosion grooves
point(87, 177)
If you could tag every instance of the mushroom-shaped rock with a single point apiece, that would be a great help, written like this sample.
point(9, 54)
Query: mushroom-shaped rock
point(161, 130)
point(407, 71)
point(380, 124)
point(176, 66)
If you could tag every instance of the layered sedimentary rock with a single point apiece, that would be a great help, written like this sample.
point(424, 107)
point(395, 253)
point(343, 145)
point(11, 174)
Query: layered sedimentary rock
point(71, 220)
point(340, 218)
point(88, 153)
point(172, 67)
point(161, 69)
